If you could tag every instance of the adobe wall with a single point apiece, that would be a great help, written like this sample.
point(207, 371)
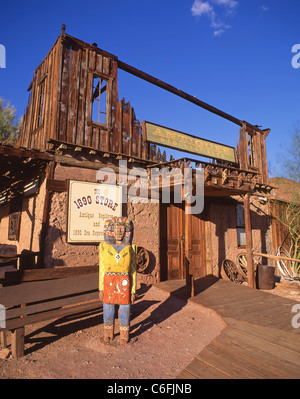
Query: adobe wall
point(58, 252)
point(221, 234)
point(220, 229)
point(30, 226)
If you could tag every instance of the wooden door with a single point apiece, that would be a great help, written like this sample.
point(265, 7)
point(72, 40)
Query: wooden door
point(172, 246)
point(198, 247)
point(175, 240)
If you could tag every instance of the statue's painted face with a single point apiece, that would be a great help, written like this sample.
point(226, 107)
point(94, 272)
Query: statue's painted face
point(119, 232)
point(118, 229)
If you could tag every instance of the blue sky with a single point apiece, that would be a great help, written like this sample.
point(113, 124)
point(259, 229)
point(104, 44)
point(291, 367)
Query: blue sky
point(233, 54)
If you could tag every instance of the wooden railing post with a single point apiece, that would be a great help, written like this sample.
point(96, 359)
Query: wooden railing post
point(3, 339)
point(17, 342)
point(249, 248)
point(188, 248)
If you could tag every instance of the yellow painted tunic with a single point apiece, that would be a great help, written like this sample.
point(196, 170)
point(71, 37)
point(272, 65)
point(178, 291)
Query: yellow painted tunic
point(117, 273)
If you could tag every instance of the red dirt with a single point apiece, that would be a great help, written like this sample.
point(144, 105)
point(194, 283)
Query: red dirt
point(166, 334)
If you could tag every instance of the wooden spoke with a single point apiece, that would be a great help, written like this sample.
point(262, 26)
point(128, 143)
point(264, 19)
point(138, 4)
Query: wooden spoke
point(231, 271)
point(241, 263)
point(142, 260)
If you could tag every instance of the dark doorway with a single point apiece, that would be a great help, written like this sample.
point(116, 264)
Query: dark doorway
point(172, 244)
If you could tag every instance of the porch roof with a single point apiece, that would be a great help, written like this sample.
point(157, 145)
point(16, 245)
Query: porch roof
point(220, 179)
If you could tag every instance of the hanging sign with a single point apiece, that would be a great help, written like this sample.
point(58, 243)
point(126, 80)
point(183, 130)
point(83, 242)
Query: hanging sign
point(89, 206)
point(166, 137)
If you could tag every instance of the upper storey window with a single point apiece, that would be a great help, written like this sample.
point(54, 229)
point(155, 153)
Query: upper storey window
point(251, 151)
point(99, 110)
point(40, 105)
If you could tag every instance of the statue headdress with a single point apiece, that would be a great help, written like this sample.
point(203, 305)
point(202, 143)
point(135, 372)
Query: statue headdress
point(109, 225)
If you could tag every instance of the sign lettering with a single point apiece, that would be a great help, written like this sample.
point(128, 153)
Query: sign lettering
point(181, 141)
point(90, 204)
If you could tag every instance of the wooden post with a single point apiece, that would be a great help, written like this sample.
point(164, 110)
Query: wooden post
point(17, 342)
point(190, 288)
point(47, 201)
point(3, 339)
point(159, 241)
point(249, 248)
point(121, 127)
point(243, 148)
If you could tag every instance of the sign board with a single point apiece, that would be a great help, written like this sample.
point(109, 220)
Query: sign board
point(166, 137)
point(89, 206)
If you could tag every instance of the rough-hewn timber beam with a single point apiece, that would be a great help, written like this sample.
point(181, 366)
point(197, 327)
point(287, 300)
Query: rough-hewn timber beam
point(140, 74)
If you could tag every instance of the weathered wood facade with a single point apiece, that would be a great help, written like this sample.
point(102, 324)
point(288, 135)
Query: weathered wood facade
point(75, 123)
point(61, 102)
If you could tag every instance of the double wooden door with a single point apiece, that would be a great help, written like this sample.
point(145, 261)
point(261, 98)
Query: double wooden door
point(172, 246)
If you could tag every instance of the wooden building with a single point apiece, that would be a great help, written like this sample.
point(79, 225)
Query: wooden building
point(75, 124)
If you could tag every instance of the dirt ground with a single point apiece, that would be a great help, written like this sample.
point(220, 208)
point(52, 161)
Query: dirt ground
point(166, 334)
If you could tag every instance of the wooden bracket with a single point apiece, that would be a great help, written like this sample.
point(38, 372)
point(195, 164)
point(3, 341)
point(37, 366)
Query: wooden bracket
point(206, 173)
point(240, 180)
point(224, 176)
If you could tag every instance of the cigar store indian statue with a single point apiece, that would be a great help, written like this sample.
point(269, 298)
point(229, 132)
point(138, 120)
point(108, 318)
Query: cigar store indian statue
point(117, 275)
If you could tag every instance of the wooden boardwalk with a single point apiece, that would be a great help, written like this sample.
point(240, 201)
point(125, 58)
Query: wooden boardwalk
point(258, 341)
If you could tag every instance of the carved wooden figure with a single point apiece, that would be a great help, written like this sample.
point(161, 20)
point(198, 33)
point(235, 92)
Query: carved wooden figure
point(117, 275)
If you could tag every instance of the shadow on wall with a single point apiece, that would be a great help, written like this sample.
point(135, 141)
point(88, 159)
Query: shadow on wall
point(58, 252)
point(223, 216)
point(54, 236)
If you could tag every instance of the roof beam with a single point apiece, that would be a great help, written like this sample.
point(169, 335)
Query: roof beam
point(142, 75)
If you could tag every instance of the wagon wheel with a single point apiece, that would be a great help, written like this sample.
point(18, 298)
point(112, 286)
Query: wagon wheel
point(241, 263)
point(142, 260)
point(285, 266)
point(232, 271)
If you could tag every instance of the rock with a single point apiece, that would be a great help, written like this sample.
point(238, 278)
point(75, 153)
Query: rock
point(4, 353)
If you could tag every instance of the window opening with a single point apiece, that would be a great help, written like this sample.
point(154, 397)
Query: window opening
point(14, 218)
point(240, 224)
point(99, 100)
point(14, 226)
point(41, 101)
point(251, 150)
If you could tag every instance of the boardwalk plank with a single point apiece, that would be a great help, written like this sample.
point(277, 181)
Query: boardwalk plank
point(248, 307)
point(286, 339)
point(199, 369)
point(280, 315)
point(217, 357)
point(263, 345)
point(259, 340)
point(185, 375)
point(264, 363)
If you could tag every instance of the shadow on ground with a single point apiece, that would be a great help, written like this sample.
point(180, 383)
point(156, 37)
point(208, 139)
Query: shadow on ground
point(68, 325)
point(62, 327)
